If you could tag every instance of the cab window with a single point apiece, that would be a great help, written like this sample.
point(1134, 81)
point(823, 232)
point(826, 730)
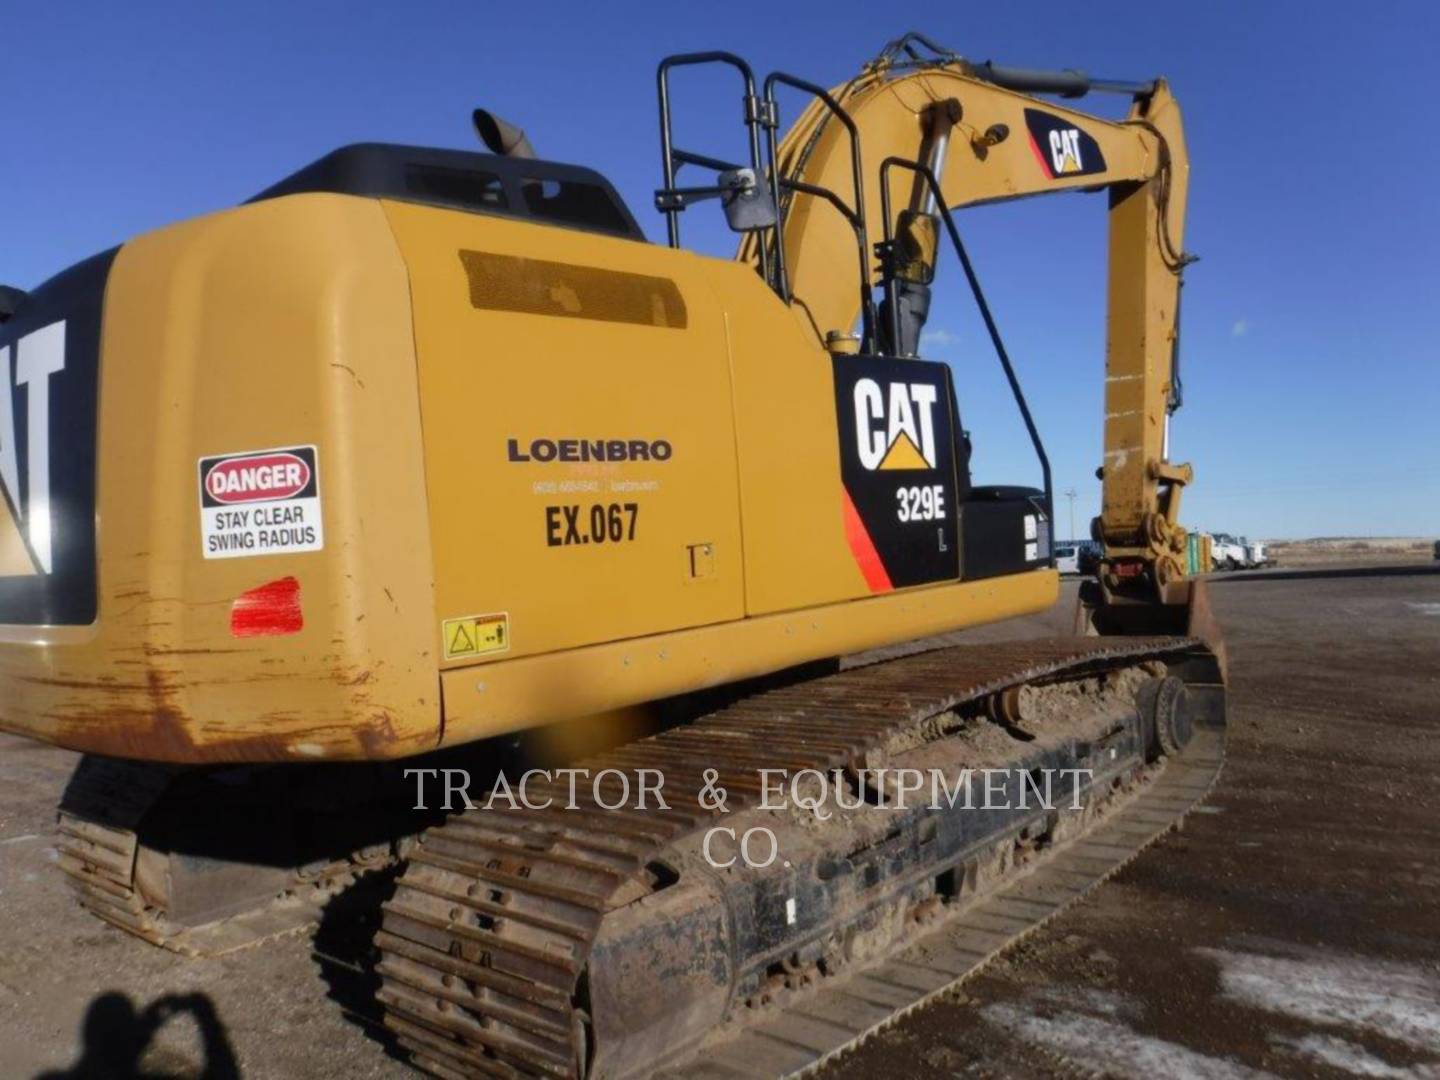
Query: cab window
point(573, 202)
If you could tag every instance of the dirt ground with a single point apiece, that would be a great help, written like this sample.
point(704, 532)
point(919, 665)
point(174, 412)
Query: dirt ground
point(1291, 929)
point(1336, 551)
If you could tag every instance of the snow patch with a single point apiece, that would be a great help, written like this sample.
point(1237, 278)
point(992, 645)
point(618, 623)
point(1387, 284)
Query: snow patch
point(1095, 1002)
point(1350, 1057)
point(1113, 1049)
point(1398, 1001)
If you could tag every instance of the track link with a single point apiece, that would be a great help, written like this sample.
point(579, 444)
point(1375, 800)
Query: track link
point(824, 1027)
point(120, 876)
point(98, 840)
point(485, 945)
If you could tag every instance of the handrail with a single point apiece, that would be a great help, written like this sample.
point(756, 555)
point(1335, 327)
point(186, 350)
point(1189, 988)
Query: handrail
point(672, 158)
point(855, 216)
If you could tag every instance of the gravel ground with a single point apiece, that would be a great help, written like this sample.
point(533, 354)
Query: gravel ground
point(1291, 929)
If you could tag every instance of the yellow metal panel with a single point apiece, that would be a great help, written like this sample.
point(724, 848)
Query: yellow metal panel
point(280, 324)
point(289, 323)
point(517, 694)
point(785, 421)
point(577, 341)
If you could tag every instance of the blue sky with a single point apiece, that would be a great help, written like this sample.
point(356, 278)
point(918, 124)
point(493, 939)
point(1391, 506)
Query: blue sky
point(1312, 381)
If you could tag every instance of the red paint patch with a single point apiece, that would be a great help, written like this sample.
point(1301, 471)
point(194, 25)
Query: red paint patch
point(271, 609)
point(1040, 157)
point(863, 548)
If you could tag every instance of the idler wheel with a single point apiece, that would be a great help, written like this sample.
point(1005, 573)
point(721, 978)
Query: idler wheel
point(1164, 705)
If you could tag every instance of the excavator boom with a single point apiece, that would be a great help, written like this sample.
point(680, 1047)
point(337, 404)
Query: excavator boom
point(987, 141)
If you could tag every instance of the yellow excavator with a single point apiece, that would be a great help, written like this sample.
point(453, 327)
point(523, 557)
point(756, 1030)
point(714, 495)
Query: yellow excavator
point(426, 454)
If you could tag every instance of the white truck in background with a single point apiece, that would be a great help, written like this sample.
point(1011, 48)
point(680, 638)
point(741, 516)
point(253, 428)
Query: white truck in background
point(1077, 557)
point(1226, 552)
point(1236, 552)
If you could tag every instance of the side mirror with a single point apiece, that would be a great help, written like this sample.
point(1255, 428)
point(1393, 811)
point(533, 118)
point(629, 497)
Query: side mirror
point(10, 300)
point(747, 203)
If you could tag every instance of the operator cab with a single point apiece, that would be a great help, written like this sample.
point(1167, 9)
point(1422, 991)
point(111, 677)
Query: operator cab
point(543, 192)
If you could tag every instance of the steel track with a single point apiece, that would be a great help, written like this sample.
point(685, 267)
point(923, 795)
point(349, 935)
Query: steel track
point(102, 853)
point(824, 1027)
point(485, 944)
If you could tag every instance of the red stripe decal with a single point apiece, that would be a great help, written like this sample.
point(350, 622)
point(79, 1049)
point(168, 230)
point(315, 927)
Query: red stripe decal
point(863, 548)
point(270, 609)
point(1044, 165)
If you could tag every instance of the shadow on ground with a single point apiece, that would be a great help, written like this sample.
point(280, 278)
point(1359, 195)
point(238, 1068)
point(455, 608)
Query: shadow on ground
point(344, 950)
point(117, 1041)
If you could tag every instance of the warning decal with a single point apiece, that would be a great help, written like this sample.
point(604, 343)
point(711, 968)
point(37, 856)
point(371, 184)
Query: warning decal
point(475, 635)
point(265, 502)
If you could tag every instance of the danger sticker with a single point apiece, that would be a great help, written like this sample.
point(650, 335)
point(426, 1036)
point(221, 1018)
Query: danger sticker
point(265, 502)
point(475, 635)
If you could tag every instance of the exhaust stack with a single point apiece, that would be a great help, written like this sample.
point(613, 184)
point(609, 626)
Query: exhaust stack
point(501, 137)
